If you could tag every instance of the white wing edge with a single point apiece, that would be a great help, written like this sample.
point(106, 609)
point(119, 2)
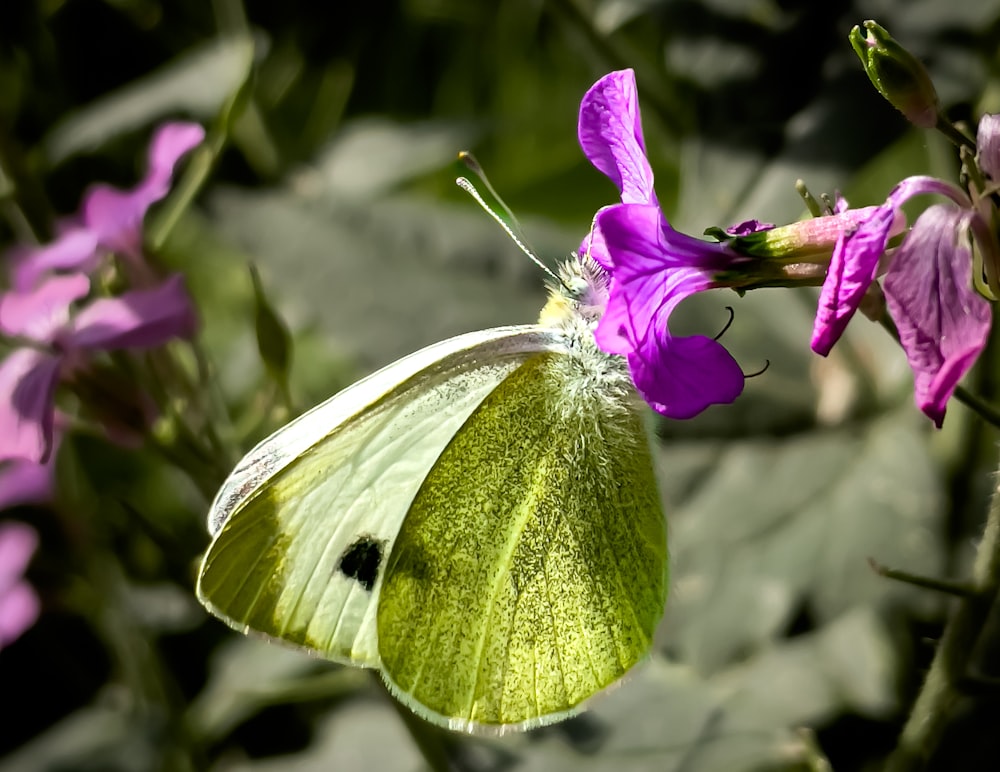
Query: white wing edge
point(275, 452)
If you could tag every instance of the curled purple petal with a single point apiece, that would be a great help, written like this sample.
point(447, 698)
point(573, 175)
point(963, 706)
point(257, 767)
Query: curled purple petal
point(28, 380)
point(135, 319)
point(115, 216)
point(988, 145)
point(943, 323)
point(852, 270)
point(40, 313)
point(855, 261)
point(610, 132)
point(19, 606)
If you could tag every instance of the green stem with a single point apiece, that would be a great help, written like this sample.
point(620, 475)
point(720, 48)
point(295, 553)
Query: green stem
point(941, 696)
point(958, 589)
point(947, 128)
point(978, 405)
point(985, 410)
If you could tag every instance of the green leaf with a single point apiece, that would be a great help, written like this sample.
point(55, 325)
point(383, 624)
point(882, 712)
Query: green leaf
point(273, 340)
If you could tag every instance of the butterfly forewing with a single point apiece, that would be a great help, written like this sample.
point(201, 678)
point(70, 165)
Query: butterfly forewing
point(304, 525)
point(530, 572)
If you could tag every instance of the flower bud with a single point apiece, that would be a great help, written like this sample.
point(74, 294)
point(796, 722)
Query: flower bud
point(897, 74)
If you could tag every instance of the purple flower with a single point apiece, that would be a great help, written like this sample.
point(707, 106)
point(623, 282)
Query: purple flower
point(57, 339)
point(18, 602)
point(652, 266)
point(110, 220)
point(943, 322)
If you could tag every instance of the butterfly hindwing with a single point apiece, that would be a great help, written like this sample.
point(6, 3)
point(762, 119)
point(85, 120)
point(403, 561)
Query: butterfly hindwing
point(530, 571)
point(305, 524)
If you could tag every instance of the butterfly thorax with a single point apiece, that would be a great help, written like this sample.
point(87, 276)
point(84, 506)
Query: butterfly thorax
point(596, 385)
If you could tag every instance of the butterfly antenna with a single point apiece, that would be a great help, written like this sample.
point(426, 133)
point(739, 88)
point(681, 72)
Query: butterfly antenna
point(513, 231)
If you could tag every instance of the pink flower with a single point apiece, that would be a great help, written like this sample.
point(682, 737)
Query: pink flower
point(110, 220)
point(58, 337)
point(943, 322)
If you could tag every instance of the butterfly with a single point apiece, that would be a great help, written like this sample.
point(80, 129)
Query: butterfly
point(479, 521)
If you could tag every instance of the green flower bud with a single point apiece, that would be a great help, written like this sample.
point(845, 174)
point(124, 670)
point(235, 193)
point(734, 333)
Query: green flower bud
point(897, 74)
point(810, 240)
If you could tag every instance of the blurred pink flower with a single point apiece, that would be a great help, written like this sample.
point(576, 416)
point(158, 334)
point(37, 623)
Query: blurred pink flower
point(56, 338)
point(19, 604)
point(110, 220)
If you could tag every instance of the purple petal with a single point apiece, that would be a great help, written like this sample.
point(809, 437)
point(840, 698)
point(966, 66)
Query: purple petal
point(41, 313)
point(19, 608)
point(852, 270)
point(680, 377)
point(116, 215)
point(855, 260)
point(943, 323)
point(747, 227)
point(76, 249)
point(653, 267)
point(593, 246)
point(27, 384)
point(19, 605)
point(25, 482)
point(135, 319)
point(18, 542)
point(988, 145)
point(610, 132)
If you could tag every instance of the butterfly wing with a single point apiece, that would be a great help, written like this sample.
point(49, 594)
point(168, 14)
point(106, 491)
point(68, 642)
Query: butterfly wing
point(303, 525)
point(531, 569)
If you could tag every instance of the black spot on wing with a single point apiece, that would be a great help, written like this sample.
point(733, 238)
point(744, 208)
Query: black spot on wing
point(362, 560)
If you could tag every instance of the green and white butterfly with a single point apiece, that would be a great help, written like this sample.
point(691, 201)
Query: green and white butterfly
point(479, 521)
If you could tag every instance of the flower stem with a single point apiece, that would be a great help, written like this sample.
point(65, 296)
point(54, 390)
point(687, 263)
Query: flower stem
point(985, 410)
point(940, 698)
point(960, 590)
point(947, 128)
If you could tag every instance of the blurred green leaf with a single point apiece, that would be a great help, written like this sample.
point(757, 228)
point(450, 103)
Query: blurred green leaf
point(248, 673)
point(98, 737)
point(197, 83)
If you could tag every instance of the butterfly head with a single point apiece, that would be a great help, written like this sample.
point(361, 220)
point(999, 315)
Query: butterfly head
point(580, 294)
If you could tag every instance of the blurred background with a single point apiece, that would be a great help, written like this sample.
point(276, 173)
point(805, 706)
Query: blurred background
point(336, 179)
